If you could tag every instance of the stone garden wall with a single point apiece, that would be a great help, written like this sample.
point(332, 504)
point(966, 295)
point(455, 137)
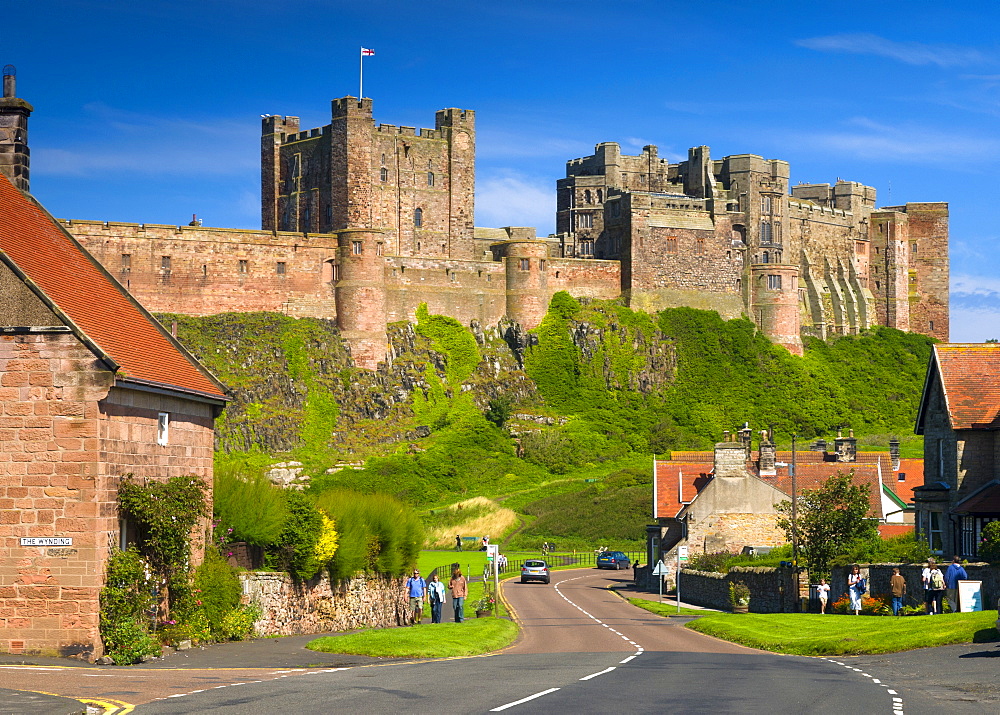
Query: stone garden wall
point(772, 590)
point(319, 606)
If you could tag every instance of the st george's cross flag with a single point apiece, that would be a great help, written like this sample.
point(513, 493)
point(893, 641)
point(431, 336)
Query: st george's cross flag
point(365, 52)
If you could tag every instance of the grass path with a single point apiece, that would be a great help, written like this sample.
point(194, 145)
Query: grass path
point(813, 634)
point(429, 640)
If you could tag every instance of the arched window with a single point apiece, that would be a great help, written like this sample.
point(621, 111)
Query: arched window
point(384, 174)
point(383, 160)
point(767, 257)
point(418, 218)
point(600, 196)
point(430, 178)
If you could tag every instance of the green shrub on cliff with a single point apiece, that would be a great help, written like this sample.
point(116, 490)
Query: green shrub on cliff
point(248, 503)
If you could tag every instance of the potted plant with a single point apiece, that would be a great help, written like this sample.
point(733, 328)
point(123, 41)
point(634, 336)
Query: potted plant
point(485, 605)
point(739, 597)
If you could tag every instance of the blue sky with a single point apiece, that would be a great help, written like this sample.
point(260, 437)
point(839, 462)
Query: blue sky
point(149, 111)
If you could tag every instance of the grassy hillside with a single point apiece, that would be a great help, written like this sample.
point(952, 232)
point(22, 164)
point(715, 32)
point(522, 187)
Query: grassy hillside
point(594, 390)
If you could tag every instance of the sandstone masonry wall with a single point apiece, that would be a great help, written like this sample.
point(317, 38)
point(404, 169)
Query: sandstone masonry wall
point(320, 606)
point(878, 576)
point(772, 590)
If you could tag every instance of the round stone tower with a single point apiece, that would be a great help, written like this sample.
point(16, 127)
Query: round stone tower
point(359, 292)
point(775, 296)
point(527, 285)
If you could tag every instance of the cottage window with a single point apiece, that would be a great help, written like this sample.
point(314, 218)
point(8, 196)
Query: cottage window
point(418, 218)
point(356, 248)
point(163, 428)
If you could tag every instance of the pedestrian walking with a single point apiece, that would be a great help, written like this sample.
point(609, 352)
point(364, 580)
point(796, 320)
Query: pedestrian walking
point(897, 587)
point(458, 542)
point(435, 591)
point(856, 587)
point(459, 590)
point(955, 573)
point(823, 592)
point(925, 579)
point(937, 589)
point(416, 589)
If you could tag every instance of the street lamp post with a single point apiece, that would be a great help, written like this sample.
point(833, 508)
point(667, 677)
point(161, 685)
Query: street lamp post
point(795, 525)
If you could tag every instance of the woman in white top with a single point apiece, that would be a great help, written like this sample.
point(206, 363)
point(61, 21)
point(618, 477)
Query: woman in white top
point(855, 583)
point(435, 592)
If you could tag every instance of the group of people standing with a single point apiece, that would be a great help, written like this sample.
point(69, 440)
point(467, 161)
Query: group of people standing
point(417, 589)
point(935, 583)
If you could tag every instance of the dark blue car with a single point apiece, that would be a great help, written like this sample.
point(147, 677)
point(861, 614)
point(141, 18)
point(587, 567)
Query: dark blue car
point(613, 560)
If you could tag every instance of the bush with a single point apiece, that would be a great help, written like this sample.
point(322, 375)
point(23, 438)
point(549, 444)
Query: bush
point(715, 561)
point(127, 642)
point(217, 589)
point(237, 624)
point(299, 537)
point(989, 549)
point(126, 607)
point(870, 605)
point(903, 549)
point(377, 533)
point(249, 504)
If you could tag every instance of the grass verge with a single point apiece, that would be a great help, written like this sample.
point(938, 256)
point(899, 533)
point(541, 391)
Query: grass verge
point(430, 640)
point(813, 634)
point(667, 609)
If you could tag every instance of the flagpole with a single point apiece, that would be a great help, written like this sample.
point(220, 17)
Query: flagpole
point(361, 73)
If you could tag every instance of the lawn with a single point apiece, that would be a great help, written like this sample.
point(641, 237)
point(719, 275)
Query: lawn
point(813, 634)
point(666, 609)
point(428, 640)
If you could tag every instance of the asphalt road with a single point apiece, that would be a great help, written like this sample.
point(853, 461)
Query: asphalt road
point(583, 650)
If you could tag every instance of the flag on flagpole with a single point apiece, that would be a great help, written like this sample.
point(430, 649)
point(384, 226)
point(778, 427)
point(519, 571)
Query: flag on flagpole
point(365, 52)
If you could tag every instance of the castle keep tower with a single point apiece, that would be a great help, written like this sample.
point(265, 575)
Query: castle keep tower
point(359, 291)
point(416, 186)
point(14, 112)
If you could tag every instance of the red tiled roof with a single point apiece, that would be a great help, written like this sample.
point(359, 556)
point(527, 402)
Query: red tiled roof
point(913, 469)
point(678, 483)
point(812, 476)
point(970, 376)
point(889, 530)
point(72, 281)
point(986, 501)
point(693, 457)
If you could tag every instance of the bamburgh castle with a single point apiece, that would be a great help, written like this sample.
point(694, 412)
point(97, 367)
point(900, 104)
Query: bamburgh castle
point(362, 222)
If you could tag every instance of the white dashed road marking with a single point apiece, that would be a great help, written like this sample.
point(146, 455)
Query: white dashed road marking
point(897, 703)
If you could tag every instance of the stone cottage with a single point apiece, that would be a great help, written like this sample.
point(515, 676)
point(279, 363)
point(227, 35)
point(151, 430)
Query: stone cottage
point(92, 388)
point(959, 418)
point(726, 500)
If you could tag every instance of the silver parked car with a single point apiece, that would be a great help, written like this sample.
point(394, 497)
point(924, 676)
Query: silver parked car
point(535, 570)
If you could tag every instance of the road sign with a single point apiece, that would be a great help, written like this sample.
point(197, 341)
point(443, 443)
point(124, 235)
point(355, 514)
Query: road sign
point(682, 553)
point(660, 569)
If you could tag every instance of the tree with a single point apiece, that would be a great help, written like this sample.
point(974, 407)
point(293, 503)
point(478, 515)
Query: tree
point(829, 520)
point(989, 549)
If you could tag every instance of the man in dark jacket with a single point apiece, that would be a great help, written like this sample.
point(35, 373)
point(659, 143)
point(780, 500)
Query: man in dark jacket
point(952, 576)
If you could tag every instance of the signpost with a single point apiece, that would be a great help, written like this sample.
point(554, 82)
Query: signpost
point(46, 541)
point(493, 562)
point(970, 597)
point(682, 557)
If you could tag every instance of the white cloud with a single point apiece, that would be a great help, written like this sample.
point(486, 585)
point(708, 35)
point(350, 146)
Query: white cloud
point(510, 199)
point(911, 53)
point(867, 139)
point(968, 286)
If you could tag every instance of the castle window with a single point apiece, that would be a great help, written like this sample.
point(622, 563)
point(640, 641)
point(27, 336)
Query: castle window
point(356, 248)
point(585, 220)
point(699, 246)
point(765, 231)
point(600, 196)
point(932, 326)
point(378, 248)
point(913, 249)
point(306, 215)
point(525, 264)
point(163, 428)
point(776, 239)
point(384, 174)
point(204, 270)
point(280, 268)
point(557, 274)
point(876, 250)
point(765, 204)
point(774, 282)
point(672, 245)
point(244, 266)
point(859, 247)
point(165, 265)
point(430, 164)
point(335, 271)
point(430, 178)
point(126, 262)
point(418, 218)
point(453, 276)
point(878, 285)
point(297, 165)
point(587, 198)
point(541, 265)
point(383, 159)
point(329, 214)
point(586, 248)
point(767, 257)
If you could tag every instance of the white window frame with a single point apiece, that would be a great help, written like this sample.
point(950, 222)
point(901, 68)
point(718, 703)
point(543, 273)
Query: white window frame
point(163, 428)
